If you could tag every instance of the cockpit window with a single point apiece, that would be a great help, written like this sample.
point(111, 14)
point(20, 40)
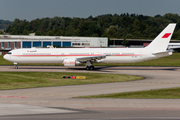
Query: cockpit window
point(9, 53)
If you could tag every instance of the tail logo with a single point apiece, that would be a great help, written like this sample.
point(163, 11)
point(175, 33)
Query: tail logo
point(166, 35)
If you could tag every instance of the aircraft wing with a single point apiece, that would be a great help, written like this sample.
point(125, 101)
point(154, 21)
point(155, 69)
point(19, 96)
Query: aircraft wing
point(91, 58)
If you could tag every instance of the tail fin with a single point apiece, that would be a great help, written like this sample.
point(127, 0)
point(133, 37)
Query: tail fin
point(160, 43)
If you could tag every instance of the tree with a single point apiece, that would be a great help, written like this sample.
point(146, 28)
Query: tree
point(157, 16)
point(59, 33)
point(90, 17)
point(14, 32)
point(125, 42)
point(25, 32)
point(74, 23)
point(136, 25)
point(114, 26)
point(112, 31)
point(37, 33)
point(50, 33)
point(95, 35)
point(58, 23)
point(176, 35)
point(89, 28)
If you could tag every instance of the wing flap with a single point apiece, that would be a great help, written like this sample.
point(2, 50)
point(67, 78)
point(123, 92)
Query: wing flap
point(91, 58)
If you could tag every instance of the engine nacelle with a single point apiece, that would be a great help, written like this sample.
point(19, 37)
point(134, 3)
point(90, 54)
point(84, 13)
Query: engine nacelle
point(71, 62)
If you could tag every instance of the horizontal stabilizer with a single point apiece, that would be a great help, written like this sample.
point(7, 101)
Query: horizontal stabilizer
point(164, 52)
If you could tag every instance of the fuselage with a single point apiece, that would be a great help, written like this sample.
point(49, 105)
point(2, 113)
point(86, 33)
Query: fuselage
point(57, 55)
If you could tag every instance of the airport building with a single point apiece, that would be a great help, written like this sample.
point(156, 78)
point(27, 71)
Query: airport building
point(9, 42)
point(140, 43)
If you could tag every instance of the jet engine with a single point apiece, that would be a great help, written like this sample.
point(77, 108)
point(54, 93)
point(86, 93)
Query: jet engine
point(71, 62)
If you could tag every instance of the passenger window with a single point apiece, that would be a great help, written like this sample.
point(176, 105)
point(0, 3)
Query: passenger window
point(9, 53)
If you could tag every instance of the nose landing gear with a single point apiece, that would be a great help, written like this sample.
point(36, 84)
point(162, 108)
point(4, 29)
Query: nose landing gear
point(15, 66)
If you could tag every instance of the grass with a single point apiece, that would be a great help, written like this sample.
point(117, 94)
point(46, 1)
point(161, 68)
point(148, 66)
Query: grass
point(17, 80)
point(173, 60)
point(173, 93)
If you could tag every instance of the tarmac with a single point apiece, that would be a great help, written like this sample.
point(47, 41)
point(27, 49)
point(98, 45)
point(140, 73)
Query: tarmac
point(58, 102)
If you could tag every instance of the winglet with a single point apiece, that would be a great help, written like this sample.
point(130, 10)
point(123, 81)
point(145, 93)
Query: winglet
point(160, 43)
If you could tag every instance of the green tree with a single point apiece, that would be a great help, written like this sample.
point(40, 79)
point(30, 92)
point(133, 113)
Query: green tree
point(59, 33)
point(89, 28)
point(25, 32)
point(136, 25)
point(95, 35)
point(74, 23)
point(37, 33)
point(173, 17)
point(125, 43)
point(114, 26)
point(50, 33)
point(120, 33)
point(112, 31)
point(14, 32)
point(129, 36)
point(58, 23)
point(176, 35)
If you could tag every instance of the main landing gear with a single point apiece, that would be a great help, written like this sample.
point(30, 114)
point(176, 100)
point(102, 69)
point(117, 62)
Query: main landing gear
point(90, 68)
point(89, 65)
point(15, 66)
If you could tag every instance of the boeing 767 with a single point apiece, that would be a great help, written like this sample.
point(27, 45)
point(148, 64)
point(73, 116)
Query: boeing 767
point(75, 56)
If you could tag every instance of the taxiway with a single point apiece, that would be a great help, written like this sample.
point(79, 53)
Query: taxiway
point(58, 102)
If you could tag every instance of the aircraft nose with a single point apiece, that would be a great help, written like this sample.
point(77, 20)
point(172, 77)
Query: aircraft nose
point(5, 56)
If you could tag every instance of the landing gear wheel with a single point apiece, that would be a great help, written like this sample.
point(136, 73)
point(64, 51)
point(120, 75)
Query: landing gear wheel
point(87, 68)
point(15, 65)
point(91, 67)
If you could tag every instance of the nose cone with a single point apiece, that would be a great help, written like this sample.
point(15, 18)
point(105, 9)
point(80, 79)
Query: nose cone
point(5, 56)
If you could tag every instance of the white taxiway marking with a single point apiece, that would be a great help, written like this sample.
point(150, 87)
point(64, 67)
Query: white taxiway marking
point(18, 109)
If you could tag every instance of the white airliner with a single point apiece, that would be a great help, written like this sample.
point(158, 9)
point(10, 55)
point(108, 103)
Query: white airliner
point(76, 56)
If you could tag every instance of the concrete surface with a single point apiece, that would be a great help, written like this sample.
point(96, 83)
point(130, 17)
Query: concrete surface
point(156, 78)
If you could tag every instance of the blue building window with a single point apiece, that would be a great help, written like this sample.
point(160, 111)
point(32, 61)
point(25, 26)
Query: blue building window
point(66, 44)
point(26, 44)
point(8, 44)
point(36, 44)
point(15, 44)
point(57, 44)
point(2, 44)
point(45, 44)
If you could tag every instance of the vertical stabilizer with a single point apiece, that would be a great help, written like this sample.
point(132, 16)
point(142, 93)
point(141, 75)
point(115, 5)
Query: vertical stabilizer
point(160, 43)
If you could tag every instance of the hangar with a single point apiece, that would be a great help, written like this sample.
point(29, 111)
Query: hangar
point(21, 41)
